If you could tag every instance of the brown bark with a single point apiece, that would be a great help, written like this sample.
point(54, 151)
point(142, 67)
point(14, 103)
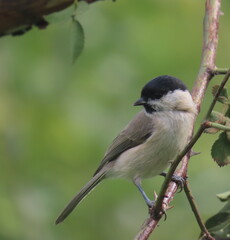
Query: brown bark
point(18, 16)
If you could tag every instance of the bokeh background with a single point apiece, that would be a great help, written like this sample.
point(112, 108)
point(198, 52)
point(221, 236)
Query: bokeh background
point(57, 119)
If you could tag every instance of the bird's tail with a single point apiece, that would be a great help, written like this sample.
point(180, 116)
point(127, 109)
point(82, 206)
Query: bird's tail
point(83, 192)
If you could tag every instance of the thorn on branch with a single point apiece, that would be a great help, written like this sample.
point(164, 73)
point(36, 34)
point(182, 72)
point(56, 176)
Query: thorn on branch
point(192, 153)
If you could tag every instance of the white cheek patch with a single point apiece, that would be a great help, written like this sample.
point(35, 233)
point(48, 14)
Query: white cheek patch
point(177, 100)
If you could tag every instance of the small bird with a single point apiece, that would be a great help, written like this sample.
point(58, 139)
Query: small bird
point(150, 142)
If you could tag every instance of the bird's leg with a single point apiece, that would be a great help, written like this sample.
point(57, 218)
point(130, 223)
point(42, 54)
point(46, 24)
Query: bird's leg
point(137, 182)
point(150, 203)
point(177, 179)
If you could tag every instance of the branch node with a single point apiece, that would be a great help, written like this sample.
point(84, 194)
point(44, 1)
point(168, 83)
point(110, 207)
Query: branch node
point(211, 72)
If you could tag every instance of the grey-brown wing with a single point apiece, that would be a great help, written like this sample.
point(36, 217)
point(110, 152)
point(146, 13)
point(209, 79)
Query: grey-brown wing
point(135, 133)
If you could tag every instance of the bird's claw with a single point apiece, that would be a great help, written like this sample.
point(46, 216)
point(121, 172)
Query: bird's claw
point(180, 181)
point(151, 205)
point(152, 212)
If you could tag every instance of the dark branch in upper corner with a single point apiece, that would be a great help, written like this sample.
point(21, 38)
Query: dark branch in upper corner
point(18, 16)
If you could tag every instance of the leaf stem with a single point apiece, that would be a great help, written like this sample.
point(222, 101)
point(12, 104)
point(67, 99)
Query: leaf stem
point(209, 124)
point(220, 71)
point(75, 4)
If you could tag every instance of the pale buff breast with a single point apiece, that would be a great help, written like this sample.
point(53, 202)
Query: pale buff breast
point(154, 156)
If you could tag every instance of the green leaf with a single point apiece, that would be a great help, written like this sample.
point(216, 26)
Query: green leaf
point(221, 150)
point(223, 97)
point(77, 39)
point(224, 196)
point(219, 224)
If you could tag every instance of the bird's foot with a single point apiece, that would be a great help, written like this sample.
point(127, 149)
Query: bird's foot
point(180, 181)
point(150, 203)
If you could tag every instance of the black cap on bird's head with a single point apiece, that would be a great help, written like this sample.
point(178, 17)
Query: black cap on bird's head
point(159, 87)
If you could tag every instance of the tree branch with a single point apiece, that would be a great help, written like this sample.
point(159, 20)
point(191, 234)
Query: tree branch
point(18, 16)
point(207, 67)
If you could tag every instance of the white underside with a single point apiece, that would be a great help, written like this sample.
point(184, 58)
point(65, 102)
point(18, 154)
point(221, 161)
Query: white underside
point(170, 136)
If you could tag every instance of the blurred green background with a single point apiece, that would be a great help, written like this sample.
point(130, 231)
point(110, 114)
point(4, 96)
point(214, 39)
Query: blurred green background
point(57, 119)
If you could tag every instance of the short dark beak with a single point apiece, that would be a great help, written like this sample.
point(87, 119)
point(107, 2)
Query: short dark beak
point(139, 102)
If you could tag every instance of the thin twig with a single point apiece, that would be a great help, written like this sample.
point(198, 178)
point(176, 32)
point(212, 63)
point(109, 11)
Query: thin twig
point(218, 126)
point(220, 71)
point(205, 74)
point(194, 208)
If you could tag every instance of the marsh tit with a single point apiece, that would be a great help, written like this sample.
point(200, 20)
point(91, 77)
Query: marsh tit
point(150, 142)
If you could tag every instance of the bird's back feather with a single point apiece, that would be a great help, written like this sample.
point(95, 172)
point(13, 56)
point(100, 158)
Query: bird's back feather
point(135, 133)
